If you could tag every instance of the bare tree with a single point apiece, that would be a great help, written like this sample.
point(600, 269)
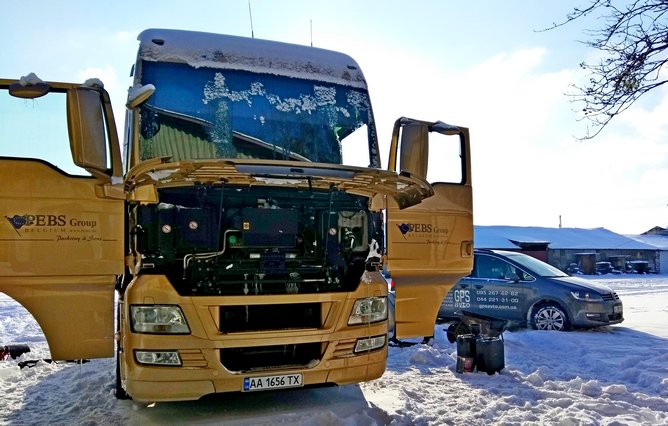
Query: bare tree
point(633, 41)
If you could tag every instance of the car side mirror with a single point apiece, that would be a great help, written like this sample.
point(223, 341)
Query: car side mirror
point(513, 277)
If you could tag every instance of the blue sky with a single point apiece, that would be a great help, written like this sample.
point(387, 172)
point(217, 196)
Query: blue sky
point(478, 64)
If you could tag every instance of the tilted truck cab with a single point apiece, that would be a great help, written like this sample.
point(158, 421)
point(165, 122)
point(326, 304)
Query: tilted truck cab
point(246, 232)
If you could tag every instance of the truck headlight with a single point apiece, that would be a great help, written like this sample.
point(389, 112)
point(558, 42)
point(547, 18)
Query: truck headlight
point(587, 296)
point(158, 319)
point(367, 310)
point(369, 344)
point(169, 358)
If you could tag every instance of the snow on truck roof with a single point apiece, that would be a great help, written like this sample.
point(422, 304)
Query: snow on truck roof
point(200, 49)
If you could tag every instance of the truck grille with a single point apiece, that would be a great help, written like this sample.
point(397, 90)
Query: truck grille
point(271, 357)
point(269, 317)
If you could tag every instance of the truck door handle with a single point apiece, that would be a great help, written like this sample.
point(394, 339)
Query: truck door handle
point(479, 286)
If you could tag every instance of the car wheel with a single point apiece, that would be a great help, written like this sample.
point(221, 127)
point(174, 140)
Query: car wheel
point(549, 317)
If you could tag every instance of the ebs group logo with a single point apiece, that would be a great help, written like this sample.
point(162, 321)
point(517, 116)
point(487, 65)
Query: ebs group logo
point(405, 228)
point(42, 220)
point(426, 230)
point(50, 223)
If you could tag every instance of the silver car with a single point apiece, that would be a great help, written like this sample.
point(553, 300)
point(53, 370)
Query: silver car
point(526, 291)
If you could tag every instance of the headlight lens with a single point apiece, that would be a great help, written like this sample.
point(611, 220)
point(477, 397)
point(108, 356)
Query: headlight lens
point(158, 319)
point(587, 296)
point(169, 358)
point(370, 309)
point(369, 344)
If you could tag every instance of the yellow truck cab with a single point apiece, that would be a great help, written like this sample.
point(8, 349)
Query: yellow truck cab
point(240, 246)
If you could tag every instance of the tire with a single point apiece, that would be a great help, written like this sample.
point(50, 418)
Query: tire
point(549, 316)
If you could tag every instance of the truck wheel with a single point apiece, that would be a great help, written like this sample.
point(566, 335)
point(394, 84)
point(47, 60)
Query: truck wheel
point(549, 316)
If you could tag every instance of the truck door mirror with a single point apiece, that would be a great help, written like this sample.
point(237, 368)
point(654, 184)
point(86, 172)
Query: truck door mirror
point(414, 150)
point(87, 130)
point(139, 94)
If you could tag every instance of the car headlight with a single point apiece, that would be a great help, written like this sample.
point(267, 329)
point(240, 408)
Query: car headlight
point(587, 296)
point(370, 309)
point(158, 319)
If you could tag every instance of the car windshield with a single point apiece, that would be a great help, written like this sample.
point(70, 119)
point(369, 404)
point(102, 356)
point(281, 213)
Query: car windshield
point(202, 113)
point(537, 267)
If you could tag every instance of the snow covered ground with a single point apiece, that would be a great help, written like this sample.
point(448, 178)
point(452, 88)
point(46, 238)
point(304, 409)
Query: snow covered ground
point(614, 375)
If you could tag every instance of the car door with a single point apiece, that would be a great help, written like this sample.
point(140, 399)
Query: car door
point(61, 219)
point(430, 244)
point(496, 288)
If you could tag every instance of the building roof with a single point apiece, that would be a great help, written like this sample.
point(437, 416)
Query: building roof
point(659, 241)
point(509, 237)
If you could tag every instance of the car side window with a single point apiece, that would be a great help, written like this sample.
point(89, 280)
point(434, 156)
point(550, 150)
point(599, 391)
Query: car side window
point(492, 268)
point(488, 267)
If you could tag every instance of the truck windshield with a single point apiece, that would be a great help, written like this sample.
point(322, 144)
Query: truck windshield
point(208, 113)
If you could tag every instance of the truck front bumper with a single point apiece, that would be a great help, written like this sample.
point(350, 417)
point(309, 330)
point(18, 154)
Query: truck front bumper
point(158, 383)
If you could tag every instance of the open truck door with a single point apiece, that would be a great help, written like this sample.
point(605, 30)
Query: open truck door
point(429, 245)
point(61, 235)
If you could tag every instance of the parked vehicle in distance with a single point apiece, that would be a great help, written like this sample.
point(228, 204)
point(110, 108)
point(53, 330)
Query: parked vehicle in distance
point(638, 267)
point(573, 269)
point(526, 291)
point(603, 268)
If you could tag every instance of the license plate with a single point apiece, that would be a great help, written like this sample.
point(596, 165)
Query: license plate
point(617, 309)
point(273, 382)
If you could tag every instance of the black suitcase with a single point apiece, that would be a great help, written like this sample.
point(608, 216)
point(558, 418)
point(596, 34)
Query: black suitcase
point(490, 356)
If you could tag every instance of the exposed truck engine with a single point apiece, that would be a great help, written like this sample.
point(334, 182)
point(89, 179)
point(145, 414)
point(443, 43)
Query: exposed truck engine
point(226, 240)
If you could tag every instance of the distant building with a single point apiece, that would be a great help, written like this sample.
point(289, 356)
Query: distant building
point(562, 247)
point(657, 237)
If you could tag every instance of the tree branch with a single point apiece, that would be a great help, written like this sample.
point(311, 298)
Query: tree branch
point(634, 43)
